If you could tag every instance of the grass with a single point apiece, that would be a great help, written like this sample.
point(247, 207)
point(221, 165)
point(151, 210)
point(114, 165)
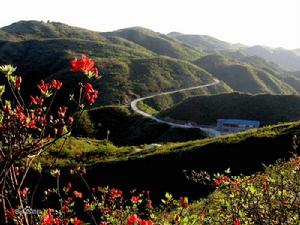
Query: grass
point(268, 109)
point(89, 151)
point(146, 108)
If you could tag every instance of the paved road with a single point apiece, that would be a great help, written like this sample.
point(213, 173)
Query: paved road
point(208, 131)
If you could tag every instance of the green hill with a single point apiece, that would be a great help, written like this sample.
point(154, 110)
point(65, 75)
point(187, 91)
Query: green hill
point(204, 43)
point(164, 168)
point(129, 72)
point(127, 128)
point(268, 109)
point(287, 59)
point(244, 77)
point(25, 30)
point(134, 65)
point(156, 42)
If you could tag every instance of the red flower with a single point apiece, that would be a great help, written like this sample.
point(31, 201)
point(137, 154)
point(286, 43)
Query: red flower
point(62, 111)
point(184, 202)
point(149, 204)
point(48, 219)
point(69, 185)
point(85, 65)
point(44, 87)
point(24, 192)
point(91, 93)
point(70, 120)
point(10, 214)
point(19, 113)
point(37, 100)
point(77, 221)
point(236, 221)
point(115, 193)
point(135, 199)
point(221, 180)
point(77, 194)
point(56, 84)
point(18, 83)
point(7, 108)
point(31, 124)
point(146, 222)
point(134, 219)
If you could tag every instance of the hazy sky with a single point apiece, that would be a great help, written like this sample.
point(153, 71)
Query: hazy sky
point(273, 23)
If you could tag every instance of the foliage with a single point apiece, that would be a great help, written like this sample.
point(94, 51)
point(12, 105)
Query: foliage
point(268, 109)
point(244, 77)
point(29, 128)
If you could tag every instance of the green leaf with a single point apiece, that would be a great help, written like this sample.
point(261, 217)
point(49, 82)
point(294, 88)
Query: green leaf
point(252, 189)
point(228, 171)
point(2, 90)
point(168, 196)
point(7, 69)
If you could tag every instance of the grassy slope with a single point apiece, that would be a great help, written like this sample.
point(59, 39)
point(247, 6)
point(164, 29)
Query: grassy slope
point(177, 150)
point(128, 128)
point(202, 42)
point(162, 169)
point(25, 30)
point(287, 59)
point(268, 109)
point(45, 49)
point(156, 42)
point(244, 77)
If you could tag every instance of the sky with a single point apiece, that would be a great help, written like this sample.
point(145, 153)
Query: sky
point(274, 23)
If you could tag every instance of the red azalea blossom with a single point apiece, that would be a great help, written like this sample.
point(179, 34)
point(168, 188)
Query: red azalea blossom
point(85, 65)
point(91, 93)
point(62, 111)
point(134, 219)
point(115, 193)
point(69, 185)
point(184, 202)
point(77, 221)
point(47, 220)
point(56, 84)
point(146, 222)
point(31, 124)
point(44, 87)
point(37, 100)
point(10, 214)
point(221, 180)
point(18, 83)
point(135, 199)
point(7, 108)
point(19, 113)
point(149, 204)
point(24, 192)
point(70, 120)
point(236, 221)
point(77, 194)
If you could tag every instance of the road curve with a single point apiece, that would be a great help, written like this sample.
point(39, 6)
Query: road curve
point(208, 131)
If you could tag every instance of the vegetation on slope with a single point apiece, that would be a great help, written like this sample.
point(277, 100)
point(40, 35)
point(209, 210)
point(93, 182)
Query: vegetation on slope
point(268, 109)
point(27, 30)
point(127, 128)
point(158, 43)
point(243, 77)
point(204, 43)
point(287, 59)
point(165, 168)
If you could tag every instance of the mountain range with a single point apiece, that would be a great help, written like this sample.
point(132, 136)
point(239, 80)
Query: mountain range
point(137, 61)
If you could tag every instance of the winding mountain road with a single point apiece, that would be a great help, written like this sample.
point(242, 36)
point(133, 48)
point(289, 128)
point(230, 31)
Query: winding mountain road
point(208, 131)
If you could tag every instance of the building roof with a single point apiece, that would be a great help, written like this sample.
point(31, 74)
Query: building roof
point(239, 121)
